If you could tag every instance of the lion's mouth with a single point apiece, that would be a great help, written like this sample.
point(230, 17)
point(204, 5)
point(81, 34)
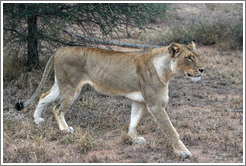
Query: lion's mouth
point(194, 78)
point(190, 75)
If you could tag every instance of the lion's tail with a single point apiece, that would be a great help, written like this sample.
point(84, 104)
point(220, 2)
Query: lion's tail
point(21, 105)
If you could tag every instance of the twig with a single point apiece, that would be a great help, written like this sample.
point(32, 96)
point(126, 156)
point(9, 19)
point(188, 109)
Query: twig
point(240, 111)
point(57, 40)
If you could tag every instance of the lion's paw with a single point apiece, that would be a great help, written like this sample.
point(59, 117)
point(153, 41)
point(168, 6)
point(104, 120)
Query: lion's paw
point(69, 130)
point(139, 140)
point(185, 154)
point(180, 150)
point(38, 120)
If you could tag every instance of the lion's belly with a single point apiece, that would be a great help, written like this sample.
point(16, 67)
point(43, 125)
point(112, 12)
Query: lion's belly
point(114, 91)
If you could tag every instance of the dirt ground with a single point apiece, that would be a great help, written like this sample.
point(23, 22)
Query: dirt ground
point(204, 114)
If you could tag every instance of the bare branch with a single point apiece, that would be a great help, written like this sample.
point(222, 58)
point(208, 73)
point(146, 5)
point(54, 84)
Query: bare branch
point(86, 39)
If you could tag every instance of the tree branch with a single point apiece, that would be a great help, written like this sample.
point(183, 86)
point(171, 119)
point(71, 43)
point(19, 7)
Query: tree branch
point(87, 39)
point(15, 31)
point(57, 40)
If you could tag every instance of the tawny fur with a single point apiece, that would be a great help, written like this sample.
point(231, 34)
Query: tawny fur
point(141, 76)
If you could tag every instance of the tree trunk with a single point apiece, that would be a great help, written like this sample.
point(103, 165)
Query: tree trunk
point(32, 43)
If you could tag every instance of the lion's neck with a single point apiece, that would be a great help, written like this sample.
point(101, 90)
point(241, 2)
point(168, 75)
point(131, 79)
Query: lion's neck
point(162, 63)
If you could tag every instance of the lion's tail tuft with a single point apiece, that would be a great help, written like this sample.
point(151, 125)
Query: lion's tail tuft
point(19, 105)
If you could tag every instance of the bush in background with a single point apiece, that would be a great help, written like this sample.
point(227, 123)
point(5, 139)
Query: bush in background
point(207, 24)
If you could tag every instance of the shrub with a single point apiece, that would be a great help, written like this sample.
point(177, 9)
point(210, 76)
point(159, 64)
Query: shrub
point(219, 24)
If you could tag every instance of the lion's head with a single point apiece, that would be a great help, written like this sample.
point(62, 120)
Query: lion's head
point(185, 60)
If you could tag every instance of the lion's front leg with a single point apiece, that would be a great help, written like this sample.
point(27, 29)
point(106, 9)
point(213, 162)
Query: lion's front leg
point(155, 94)
point(163, 121)
point(136, 114)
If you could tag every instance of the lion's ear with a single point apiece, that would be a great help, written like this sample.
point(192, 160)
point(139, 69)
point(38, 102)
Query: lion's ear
point(173, 49)
point(192, 45)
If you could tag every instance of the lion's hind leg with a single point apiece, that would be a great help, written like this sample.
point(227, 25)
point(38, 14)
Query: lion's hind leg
point(44, 100)
point(67, 97)
point(136, 114)
point(59, 112)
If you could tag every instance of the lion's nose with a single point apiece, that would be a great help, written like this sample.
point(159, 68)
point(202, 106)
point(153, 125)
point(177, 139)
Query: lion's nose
point(201, 70)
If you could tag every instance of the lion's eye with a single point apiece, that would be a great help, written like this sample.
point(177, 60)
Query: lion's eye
point(189, 58)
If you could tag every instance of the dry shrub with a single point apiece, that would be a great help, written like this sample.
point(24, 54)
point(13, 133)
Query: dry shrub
point(12, 69)
point(219, 24)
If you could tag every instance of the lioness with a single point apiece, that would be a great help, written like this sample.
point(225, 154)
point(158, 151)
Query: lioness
point(140, 76)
